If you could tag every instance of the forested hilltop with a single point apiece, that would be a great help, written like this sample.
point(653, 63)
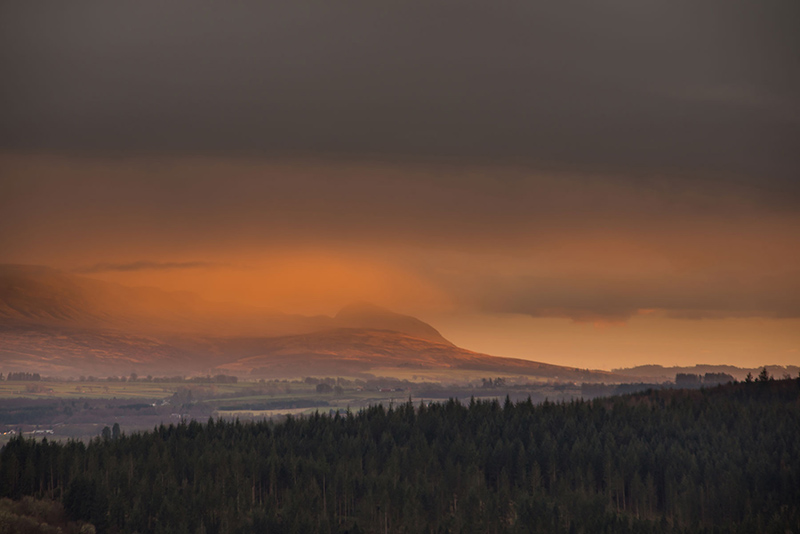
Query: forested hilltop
point(725, 459)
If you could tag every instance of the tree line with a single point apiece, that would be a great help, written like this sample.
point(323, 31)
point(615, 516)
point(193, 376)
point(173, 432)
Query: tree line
point(725, 459)
point(22, 376)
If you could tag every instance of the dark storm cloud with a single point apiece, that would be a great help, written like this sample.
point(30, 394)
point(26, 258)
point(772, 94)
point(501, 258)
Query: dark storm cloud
point(626, 152)
point(592, 298)
point(204, 203)
point(699, 87)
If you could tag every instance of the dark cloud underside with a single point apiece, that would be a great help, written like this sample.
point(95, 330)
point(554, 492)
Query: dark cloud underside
point(587, 247)
point(709, 87)
point(573, 159)
point(686, 296)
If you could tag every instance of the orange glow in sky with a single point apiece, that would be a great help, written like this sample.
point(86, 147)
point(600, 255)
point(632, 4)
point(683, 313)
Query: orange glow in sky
point(590, 271)
point(302, 282)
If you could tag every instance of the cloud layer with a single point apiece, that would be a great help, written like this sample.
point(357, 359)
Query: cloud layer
point(589, 247)
point(576, 159)
point(677, 86)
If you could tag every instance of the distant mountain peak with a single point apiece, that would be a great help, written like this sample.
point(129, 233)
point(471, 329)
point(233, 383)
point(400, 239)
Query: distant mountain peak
point(37, 295)
point(362, 309)
point(371, 316)
point(59, 323)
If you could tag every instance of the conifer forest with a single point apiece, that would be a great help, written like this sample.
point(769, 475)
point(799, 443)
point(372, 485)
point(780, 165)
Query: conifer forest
point(724, 459)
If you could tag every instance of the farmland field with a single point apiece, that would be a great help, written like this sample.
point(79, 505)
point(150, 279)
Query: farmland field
point(62, 410)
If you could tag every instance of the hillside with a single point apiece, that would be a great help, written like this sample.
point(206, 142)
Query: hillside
point(37, 296)
point(58, 323)
point(41, 296)
point(358, 351)
point(371, 317)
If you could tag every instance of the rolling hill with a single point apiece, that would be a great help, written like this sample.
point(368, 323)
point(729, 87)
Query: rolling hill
point(358, 351)
point(58, 323)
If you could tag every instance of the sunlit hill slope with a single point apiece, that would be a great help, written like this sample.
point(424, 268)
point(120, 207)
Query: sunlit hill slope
point(59, 323)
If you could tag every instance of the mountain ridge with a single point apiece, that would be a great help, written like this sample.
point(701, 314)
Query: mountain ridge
point(60, 323)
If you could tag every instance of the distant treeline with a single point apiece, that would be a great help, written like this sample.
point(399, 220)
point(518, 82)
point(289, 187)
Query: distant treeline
point(682, 381)
point(593, 390)
point(724, 459)
point(216, 379)
point(708, 379)
point(29, 377)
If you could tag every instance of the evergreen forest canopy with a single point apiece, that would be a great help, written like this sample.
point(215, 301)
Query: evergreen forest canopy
point(725, 459)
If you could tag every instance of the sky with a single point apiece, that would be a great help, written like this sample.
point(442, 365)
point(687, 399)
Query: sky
point(597, 184)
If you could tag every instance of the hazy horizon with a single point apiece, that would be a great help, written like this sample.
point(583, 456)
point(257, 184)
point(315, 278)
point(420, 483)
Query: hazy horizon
point(556, 340)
